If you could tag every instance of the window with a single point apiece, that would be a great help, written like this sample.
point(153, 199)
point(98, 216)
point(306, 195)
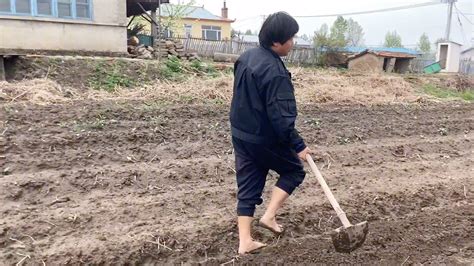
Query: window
point(23, 6)
point(72, 9)
point(211, 33)
point(45, 7)
point(82, 9)
point(188, 31)
point(64, 8)
point(5, 6)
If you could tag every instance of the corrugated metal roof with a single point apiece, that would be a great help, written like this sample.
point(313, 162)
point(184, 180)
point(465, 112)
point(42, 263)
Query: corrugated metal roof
point(467, 50)
point(383, 54)
point(195, 12)
point(393, 54)
point(254, 39)
point(300, 41)
point(249, 38)
point(353, 49)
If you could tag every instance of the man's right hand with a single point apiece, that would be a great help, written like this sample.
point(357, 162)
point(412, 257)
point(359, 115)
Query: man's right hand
point(303, 153)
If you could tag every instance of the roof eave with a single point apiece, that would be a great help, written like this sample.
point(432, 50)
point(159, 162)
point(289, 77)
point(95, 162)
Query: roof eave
point(208, 19)
point(387, 54)
point(467, 50)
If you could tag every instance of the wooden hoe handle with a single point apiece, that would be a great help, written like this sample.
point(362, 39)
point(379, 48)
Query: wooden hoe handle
point(327, 191)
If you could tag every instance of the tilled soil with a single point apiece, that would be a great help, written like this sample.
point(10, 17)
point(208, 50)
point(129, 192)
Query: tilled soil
point(150, 183)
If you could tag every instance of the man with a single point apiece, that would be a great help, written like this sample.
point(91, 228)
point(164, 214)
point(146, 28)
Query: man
point(262, 116)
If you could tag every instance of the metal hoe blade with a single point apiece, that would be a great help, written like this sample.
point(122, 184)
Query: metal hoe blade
point(349, 239)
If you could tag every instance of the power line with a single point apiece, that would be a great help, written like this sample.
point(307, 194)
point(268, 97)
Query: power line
point(461, 27)
point(459, 12)
point(450, 15)
point(371, 11)
point(247, 18)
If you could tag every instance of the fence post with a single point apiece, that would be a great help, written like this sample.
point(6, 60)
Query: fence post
point(186, 41)
point(207, 48)
point(466, 66)
point(2, 68)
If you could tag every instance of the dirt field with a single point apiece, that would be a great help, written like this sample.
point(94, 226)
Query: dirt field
point(148, 182)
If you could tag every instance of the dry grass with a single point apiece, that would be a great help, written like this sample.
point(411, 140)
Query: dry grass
point(312, 86)
point(36, 91)
point(193, 90)
point(333, 86)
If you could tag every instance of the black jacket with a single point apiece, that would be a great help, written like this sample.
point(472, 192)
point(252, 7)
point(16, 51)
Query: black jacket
point(263, 109)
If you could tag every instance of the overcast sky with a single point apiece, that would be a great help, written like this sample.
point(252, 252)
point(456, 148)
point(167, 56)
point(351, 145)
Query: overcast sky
point(410, 23)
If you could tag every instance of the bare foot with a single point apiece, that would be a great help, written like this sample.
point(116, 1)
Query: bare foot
point(250, 246)
point(271, 224)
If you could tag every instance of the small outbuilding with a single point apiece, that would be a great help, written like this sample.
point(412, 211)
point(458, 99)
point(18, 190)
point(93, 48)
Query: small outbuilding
point(389, 60)
point(449, 56)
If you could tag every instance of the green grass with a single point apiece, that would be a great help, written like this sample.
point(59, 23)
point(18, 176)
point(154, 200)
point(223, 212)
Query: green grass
point(152, 106)
point(110, 77)
point(441, 93)
point(174, 64)
point(316, 123)
point(99, 123)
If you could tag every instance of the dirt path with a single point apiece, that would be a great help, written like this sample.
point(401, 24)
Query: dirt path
point(145, 182)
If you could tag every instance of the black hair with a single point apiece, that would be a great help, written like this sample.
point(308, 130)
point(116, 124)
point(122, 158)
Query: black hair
point(278, 27)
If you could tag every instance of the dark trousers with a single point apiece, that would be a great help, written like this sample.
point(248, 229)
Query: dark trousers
point(253, 161)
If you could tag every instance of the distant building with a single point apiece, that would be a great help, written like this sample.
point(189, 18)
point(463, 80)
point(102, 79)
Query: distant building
point(197, 22)
point(468, 54)
point(449, 56)
point(299, 42)
point(381, 59)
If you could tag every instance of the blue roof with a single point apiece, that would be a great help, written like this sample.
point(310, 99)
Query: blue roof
point(196, 12)
point(353, 49)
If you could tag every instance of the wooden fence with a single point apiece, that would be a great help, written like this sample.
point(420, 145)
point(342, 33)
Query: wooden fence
point(207, 48)
point(466, 66)
point(418, 64)
point(299, 55)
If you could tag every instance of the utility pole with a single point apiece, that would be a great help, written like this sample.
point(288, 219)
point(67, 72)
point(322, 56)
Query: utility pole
point(450, 15)
point(159, 30)
point(154, 27)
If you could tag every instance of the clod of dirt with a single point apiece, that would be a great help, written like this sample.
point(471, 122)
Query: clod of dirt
point(6, 171)
point(443, 131)
point(451, 251)
point(32, 184)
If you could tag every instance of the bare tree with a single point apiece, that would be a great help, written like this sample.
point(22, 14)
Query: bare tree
point(173, 14)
